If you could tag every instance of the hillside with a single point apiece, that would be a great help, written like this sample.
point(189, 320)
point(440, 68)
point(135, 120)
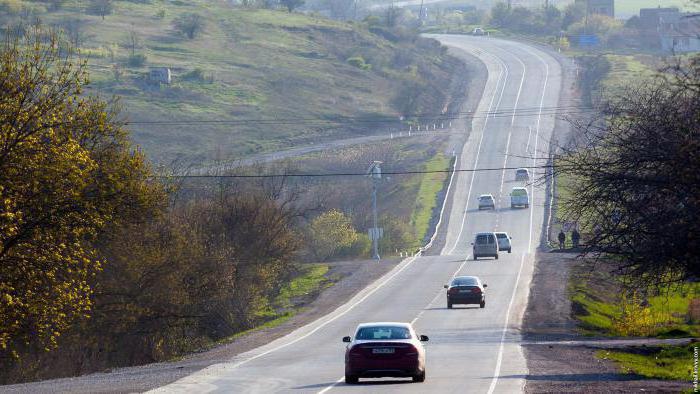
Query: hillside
point(245, 64)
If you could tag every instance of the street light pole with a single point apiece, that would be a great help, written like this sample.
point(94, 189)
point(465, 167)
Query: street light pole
point(375, 173)
point(375, 238)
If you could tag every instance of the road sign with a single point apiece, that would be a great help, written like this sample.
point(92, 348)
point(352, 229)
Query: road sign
point(588, 40)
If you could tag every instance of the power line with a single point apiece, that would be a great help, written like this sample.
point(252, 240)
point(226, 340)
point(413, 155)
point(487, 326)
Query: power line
point(563, 110)
point(344, 174)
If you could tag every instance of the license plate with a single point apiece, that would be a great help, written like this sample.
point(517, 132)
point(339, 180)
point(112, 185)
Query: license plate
point(383, 350)
point(465, 291)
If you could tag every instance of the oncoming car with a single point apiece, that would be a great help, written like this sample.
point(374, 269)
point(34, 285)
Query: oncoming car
point(522, 174)
point(386, 349)
point(466, 290)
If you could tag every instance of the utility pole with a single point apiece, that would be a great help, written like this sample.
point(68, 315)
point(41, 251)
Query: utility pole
point(375, 173)
point(420, 12)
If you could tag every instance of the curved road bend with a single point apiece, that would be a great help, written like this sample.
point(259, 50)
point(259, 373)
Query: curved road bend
point(470, 349)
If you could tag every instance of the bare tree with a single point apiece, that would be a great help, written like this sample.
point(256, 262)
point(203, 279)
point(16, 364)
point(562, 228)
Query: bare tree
point(189, 24)
point(636, 176)
point(292, 4)
point(101, 7)
point(74, 29)
point(133, 41)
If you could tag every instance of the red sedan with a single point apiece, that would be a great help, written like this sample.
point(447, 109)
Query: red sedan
point(385, 350)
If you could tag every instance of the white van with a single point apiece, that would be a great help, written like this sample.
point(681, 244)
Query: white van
point(519, 197)
point(485, 245)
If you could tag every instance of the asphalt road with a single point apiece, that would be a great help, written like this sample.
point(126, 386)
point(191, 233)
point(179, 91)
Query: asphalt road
point(470, 349)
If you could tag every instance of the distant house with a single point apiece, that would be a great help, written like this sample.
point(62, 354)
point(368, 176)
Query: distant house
point(672, 30)
point(160, 75)
point(602, 7)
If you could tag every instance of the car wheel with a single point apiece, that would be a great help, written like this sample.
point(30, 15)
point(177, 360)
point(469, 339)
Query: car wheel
point(512, 206)
point(496, 256)
point(351, 379)
point(482, 304)
point(419, 378)
point(508, 250)
point(475, 258)
point(449, 305)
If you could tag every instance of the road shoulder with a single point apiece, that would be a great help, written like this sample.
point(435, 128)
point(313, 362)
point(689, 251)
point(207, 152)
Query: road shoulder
point(558, 358)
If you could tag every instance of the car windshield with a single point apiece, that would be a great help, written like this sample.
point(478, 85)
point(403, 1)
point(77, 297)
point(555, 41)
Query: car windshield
point(464, 282)
point(501, 235)
point(485, 198)
point(522, 172)
point(519, 192)
point(383, 332)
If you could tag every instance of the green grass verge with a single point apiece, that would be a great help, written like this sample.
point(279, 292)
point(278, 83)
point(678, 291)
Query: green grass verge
point(628, 70)
point(310, 280)
point(428, 190)
point(599, 309)
point(665, 362)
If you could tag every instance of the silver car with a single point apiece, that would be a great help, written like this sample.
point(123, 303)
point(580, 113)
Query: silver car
point(503, 242)
point(486, 201)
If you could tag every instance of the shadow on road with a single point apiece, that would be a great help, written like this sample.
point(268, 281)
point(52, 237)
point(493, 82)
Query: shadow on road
point(360, 383)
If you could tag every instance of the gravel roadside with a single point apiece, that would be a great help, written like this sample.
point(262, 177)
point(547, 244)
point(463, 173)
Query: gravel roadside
point(559, 360)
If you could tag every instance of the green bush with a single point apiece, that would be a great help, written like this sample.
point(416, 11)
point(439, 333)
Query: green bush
point(359, 62)
point(137, 60)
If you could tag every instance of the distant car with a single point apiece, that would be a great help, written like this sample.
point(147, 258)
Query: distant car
point(486, 201)
point(519, 197)
point(386, 349)
point(522, 174)
point(485, 245)
point(478, 32)
point(466, 290)
point(503, 242)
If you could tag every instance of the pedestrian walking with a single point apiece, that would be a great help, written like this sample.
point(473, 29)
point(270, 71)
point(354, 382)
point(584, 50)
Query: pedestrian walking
point(575, 238)
point(562, 239)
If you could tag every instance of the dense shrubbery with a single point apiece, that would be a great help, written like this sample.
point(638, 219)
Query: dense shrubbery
point(93, 259)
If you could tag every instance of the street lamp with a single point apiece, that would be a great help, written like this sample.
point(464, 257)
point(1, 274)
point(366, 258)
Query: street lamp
point(375, 174)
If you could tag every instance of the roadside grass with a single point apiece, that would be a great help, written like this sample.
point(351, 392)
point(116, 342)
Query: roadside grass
point(627, 70)
point(429, 188)
point(664, 362)
point(602, 308)
point(309, 282)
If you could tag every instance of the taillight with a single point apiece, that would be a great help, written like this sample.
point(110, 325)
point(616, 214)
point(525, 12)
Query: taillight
point(453, 290)
point(476, 290)
point(411, 351)
point(355, 351)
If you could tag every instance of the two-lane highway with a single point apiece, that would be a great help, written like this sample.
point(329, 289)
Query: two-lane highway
point(470, 349)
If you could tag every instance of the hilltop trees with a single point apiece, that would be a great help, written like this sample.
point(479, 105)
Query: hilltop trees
point(292, 4)
point(189, 24)
point(66, 171)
